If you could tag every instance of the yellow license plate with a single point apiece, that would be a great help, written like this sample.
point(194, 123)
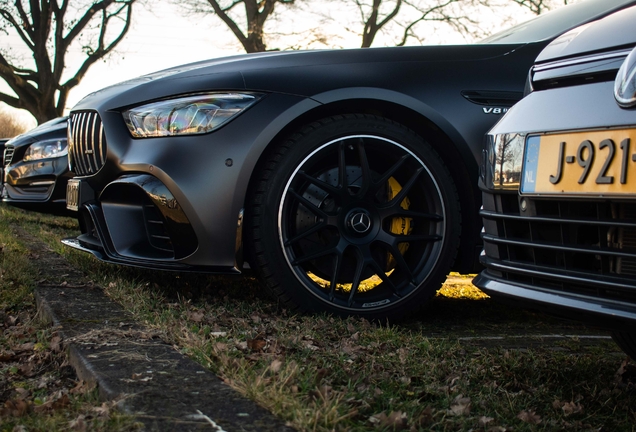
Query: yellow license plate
point(583, 163)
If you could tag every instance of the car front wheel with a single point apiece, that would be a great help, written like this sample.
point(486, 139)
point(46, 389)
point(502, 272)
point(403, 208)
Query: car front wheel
point(353, 215)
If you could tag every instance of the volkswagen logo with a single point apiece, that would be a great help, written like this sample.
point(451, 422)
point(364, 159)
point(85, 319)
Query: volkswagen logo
point(360, 221)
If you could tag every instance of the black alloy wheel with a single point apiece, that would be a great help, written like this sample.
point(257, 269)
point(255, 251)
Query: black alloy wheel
point(355, 215)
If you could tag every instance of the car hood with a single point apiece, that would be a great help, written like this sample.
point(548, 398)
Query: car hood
point(613, 31)
point(55, 128)
point(302, 73)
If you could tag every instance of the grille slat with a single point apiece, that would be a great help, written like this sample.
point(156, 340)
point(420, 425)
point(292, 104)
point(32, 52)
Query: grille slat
point(8, 154)
point(87, 143)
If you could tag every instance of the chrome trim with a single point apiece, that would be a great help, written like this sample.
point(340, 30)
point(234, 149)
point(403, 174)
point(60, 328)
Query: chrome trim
point(581, 60)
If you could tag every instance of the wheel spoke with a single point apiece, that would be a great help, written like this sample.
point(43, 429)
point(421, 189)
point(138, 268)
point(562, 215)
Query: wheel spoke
point(399, 211)
point(315, 255)
point(308, 204)
point(342, 167)
point(337, 265)
point(321, 184)
point(397, 199)
point(387, 280)
point(412, 238)
point(357, 277)
point(391, 171)
point(401, 263)
point(306, 233)
point(367, 179)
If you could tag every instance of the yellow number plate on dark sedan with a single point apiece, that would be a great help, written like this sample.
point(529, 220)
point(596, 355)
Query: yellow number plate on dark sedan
point(582, 163)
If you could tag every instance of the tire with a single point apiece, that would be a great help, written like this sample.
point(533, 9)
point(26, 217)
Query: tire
point(626, 342)
point(353, 215)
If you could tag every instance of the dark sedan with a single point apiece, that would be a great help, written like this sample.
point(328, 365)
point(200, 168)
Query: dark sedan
point(559, 184)
point(36, 168)
point(345, 178)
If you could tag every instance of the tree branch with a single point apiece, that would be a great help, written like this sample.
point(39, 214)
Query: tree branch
point(9, 18)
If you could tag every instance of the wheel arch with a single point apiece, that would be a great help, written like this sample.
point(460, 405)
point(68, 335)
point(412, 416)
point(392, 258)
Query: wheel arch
point(424, 121)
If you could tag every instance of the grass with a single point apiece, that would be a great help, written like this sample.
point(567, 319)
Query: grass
point(38, 389)
point(324, 373)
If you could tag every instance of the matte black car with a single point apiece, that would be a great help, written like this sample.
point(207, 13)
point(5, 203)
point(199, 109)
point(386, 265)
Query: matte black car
point(559, 182)
point(36, 168)
point(345, 178)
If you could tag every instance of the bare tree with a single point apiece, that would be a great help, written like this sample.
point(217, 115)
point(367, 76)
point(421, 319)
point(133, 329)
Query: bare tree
point(538, 7)
point(254, 14)
point(404, 21)
point(401, 17)
point(46, 29)
point(373, 20)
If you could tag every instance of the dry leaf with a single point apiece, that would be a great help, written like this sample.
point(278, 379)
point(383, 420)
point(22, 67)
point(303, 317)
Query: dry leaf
point(460, 406)
point(25, 347)
point(55, 344)
point(220, 347)
point(103, 410)
point(320, 374)
point(82, 387)
point(483, 421)
point(195, 316)
point(397, 420)
point(78, 424)
point(242, 346)
point(275, 366)
point(7, 356)
point(256, 344)
point(22, 393)
point(570, 408)
point(61, 402)
point(16, 407)
point(529, 417)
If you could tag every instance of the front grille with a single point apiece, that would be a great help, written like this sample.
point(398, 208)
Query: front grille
point(8, 154)
point(87, 143)
point(585, 247)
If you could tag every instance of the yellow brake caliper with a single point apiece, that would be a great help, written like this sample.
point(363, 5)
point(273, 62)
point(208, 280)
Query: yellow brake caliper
point(399, 225)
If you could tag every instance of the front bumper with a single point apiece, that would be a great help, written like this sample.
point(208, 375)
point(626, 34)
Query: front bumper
point(37, 185)
point(573, 256)
point(137, 222)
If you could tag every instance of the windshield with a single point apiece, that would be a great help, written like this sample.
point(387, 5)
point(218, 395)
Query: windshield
point(554, 23)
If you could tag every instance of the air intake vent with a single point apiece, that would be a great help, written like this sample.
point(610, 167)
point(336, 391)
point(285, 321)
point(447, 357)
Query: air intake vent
point(497, 98)
point(8, 155)
point(87, 143)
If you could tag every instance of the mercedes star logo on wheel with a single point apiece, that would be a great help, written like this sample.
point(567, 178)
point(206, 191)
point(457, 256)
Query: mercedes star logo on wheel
point(360, 222)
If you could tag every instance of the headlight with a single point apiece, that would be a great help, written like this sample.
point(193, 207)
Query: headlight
point(187, 115)
point(46, 149)
point(625, 84)
point(503, 159)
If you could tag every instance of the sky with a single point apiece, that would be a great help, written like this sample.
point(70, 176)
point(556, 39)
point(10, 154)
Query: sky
point(163, 37)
